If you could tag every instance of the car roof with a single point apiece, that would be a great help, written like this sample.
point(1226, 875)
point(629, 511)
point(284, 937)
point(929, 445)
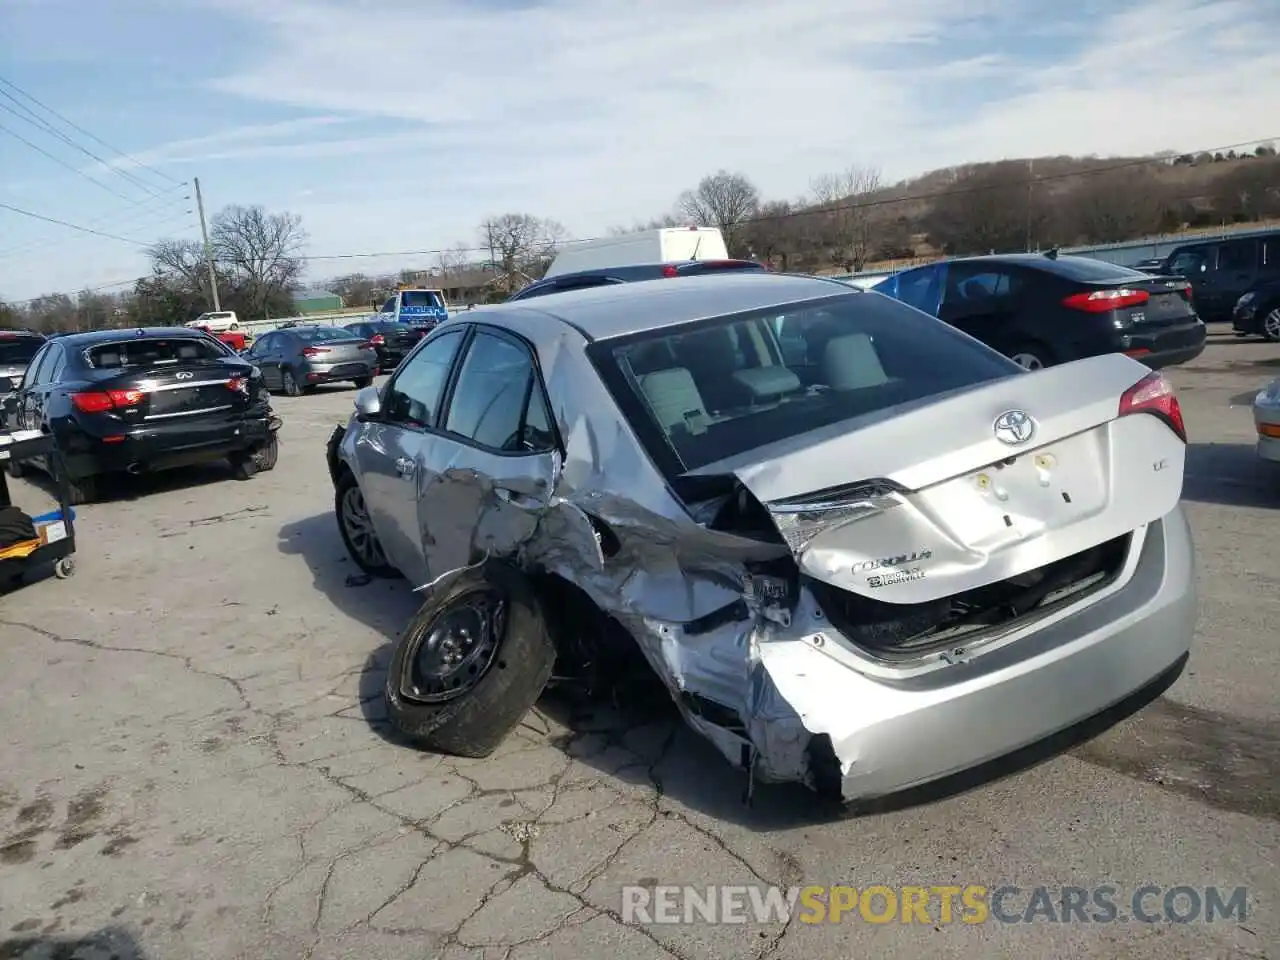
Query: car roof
point(83, 340)
point(15, 334)
point(618, 310)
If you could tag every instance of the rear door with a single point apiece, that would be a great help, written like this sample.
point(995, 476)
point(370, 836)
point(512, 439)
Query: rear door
point(485, 481)
point(1238, 267)
point(983, 299)
point(388, 455)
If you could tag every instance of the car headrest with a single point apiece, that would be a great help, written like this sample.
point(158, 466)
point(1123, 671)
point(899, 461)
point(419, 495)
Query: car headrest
point(850, 362)
point(674, 398)
point(108, 359)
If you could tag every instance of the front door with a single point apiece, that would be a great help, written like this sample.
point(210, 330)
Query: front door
point(390, 451)
point(487, 479)
point(982, 299)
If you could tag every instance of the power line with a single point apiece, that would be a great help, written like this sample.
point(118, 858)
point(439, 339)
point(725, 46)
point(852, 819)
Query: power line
point(70, 226)
point(30, 116)
point(143, 208)
point(74, 126)
point(62, 163)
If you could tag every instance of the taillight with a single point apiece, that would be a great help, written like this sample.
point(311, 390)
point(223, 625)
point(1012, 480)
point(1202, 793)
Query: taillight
point(1187, 291)
point(378, 339)
point(314, 351)
point(670, 271)
point(101, 401)
point(238, 383)
point(1155, 395)
point(1100, 301)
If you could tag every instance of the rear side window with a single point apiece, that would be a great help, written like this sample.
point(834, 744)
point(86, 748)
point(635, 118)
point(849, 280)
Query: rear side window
point(490, 403)
point(1239, 255)
point(132, 354)
point(720, 389)
point(1088, 270)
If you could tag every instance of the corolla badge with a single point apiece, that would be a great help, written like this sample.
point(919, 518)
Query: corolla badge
point(1014, 427)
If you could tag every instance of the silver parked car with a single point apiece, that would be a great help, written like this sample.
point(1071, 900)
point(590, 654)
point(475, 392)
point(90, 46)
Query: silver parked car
point(862, 550)
point(1266, 420)
point(298, 359)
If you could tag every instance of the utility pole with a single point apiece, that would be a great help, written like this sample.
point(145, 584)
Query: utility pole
point(1031, 179)
point(208, 250)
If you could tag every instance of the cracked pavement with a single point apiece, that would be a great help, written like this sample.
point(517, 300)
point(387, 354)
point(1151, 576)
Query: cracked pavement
point(196, 763)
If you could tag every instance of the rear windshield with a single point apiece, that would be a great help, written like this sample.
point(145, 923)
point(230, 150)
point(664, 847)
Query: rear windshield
point(19, 350)
point(153, 352)
point(420, 298)
point(317, 334)
point(719, 389)
point(388, 326)
point(1091, 271)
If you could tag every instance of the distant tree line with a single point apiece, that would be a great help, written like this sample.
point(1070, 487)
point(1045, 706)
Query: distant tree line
point(846, 220)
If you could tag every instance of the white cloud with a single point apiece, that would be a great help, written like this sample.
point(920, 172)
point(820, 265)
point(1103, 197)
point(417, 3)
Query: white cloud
point(242, 141)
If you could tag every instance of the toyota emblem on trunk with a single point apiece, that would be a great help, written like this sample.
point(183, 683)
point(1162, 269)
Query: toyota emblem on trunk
point(1014, 427)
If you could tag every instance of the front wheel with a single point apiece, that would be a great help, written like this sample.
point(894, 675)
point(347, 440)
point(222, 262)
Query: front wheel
point(356, 527)
point(1271, 326)
point(472, 661)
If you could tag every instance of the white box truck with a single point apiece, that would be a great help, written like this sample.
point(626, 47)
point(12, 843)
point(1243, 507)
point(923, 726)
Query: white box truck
point(666, 245)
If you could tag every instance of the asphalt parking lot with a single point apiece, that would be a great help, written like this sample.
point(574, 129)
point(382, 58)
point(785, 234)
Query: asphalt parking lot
point(194, 762)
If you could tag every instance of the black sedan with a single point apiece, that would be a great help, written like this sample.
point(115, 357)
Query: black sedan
point(391, 340)
point(1043, 309)
point(129, 401)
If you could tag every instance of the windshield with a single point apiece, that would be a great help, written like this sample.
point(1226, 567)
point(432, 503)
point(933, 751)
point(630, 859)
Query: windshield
point(420, 298)
point(153, 353)
point(718, 389)
point(18, 351)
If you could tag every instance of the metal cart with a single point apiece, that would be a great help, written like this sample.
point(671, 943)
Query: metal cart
point(56, 540)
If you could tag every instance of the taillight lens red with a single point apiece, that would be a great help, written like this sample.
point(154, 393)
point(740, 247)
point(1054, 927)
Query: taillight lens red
point(670, 271)
point(378, 339)
point(1100, 301)
point(314, 351)
point(95, 401)
point(1155, 395)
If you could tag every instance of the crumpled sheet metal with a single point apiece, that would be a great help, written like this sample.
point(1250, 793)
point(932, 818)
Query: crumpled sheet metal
point(666, 572)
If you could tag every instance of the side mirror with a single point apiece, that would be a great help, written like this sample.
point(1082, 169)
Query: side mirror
point(368, 403)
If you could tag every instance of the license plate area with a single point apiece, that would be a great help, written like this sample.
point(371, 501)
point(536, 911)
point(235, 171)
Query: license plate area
point(188, 400)
point(1055, 486)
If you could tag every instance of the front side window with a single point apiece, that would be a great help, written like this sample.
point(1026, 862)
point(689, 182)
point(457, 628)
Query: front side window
point(496, 387)
point(1190, 263)
point(413, 396)
point(719, 389)
point(1240, 255)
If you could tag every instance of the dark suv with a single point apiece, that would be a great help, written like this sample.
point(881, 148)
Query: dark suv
point(629, 274)
point(1044, 309)
point(17, 348)
point(1224, 270)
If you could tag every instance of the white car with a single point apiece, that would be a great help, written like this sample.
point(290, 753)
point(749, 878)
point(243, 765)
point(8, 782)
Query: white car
point(219, 321)
point(1266, 419)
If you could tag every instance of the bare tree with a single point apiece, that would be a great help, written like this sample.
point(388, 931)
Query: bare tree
point(181, 261)
point(989, 208)
point(846, 221)
point(455, 259)
point(1119, 205)
point(261, 252)
point(521, 245)
point(656, 223)
point(723, 200)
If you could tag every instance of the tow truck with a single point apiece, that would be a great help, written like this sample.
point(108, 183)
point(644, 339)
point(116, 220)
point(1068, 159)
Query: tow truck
point(420, 307)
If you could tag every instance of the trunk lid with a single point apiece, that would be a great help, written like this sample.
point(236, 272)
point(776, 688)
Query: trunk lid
point(346, 350)
point(922, 503)
point(158, 381)
point(1169, 302)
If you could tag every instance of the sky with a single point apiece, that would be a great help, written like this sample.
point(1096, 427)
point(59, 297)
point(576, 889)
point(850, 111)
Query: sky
point(397, 126)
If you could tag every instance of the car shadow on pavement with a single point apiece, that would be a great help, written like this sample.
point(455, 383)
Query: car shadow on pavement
point(634, 733)
point(113, 942)
point(123, 488)
point(1230, 474)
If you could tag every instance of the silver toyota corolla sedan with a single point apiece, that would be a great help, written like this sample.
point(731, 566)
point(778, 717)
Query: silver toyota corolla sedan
point(862, 550)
